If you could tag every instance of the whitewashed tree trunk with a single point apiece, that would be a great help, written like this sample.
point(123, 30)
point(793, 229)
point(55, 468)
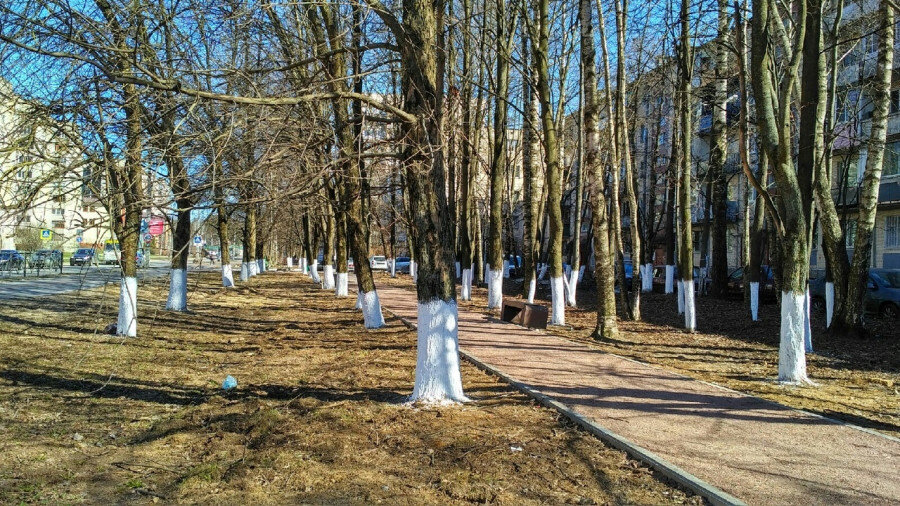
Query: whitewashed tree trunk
point(359, 300)
point(543, 272)
point(487, 274)
point(227, 276)
point(829, 302)
point(670, 278)
point(260, 265)
point(680, 297)
point(571, 289)
point(328, 277)
point(754, 300)
point(532, 288)
point(807, 324)
point(314, 271)
point(177, 300)
point(127, 323)
point(690, 313)
point(438, 380)
point(245, 271)
point(290, 262)
point(371, 309)
point(252, 268)
point(466, 285)
point(392, 264)
point(340, 288)
point(647, 278)
point(792, 352)
point(495, 290)
point(302, 264)
point(557, 301)
point(412, 271)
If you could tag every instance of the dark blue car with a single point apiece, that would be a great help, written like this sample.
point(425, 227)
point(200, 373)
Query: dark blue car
point(882, 293)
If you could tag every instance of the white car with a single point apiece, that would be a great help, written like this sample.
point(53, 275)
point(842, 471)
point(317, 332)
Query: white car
point(111, 253)
point(378, 263)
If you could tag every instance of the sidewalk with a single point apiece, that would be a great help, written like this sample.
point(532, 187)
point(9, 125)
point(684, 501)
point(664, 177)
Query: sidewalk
point(753, 449)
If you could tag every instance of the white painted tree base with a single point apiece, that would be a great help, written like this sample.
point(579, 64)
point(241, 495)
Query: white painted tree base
point(260, 265)
point(252, 268)
point(680, 297)
point(495, 290)
point(340, 289)
point(792, 351)
point(647, 278)
point(413, 271)
point(177, 300)
point(807, 324)
point(392, 265)
point(245, 272)
point(486, 274)
point(465, 290)
point(754, 301)
point(690, 314)
point(359, 298)
point(227, 276)
point(302, 264)
point(829, 302)
point(532, 289)
point(670, 278)
point(127, 323)
point(328, 278)
point(572, 289)
point(289, 262)
point(557, 301)
point(314, 272)
point(438, 380)
point(371, 308)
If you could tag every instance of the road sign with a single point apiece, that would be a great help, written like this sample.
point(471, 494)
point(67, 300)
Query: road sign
point(198, 240)
point(78, 239)
point(148, 237)
point(46, 234)
point(157, 225)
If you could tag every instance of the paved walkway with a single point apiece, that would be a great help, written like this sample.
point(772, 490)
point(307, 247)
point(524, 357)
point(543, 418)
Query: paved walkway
point(753, 449)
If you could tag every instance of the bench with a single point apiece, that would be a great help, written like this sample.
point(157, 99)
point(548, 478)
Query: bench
point(522, 313)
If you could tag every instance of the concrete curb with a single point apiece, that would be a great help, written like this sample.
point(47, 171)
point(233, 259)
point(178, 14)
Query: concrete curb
point(714, 495)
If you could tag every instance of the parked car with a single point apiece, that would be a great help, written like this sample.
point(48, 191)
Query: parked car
point(142, 258)
point(735, 286)
point(111, 253)
point(515, 266)
point(11, 260)
point(45, 259)
point(882, 296)
point(378, 263)
point(401, 265)
point(82, 256)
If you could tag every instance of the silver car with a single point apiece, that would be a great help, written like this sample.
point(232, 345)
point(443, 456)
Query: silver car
point(378, 263)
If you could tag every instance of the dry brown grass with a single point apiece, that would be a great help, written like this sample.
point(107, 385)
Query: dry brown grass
point(858, 380)
point(318, 415)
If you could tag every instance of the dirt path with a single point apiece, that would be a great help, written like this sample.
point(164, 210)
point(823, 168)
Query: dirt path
point(756, 450)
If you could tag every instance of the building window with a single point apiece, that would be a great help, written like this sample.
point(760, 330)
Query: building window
point(850, 234)
point(892, 232)
point(59, 224)
point(870, 44)
point(643, 134)
point(891, 160)
point(58, 211)
point(895, 101)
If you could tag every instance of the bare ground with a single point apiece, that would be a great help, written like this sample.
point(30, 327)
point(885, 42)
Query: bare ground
point(318, 416)
point(857, 380)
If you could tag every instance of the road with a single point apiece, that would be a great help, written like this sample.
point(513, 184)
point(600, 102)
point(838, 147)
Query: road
point(74, 278)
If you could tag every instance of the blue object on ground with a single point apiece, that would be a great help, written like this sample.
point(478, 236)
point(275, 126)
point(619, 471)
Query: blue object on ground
point(229, 383)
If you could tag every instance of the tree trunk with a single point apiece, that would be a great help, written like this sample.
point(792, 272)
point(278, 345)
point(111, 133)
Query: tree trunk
point(853, 309)
point(540, 53)
point(606, 328)
point(717, 156)
point(686, 246)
